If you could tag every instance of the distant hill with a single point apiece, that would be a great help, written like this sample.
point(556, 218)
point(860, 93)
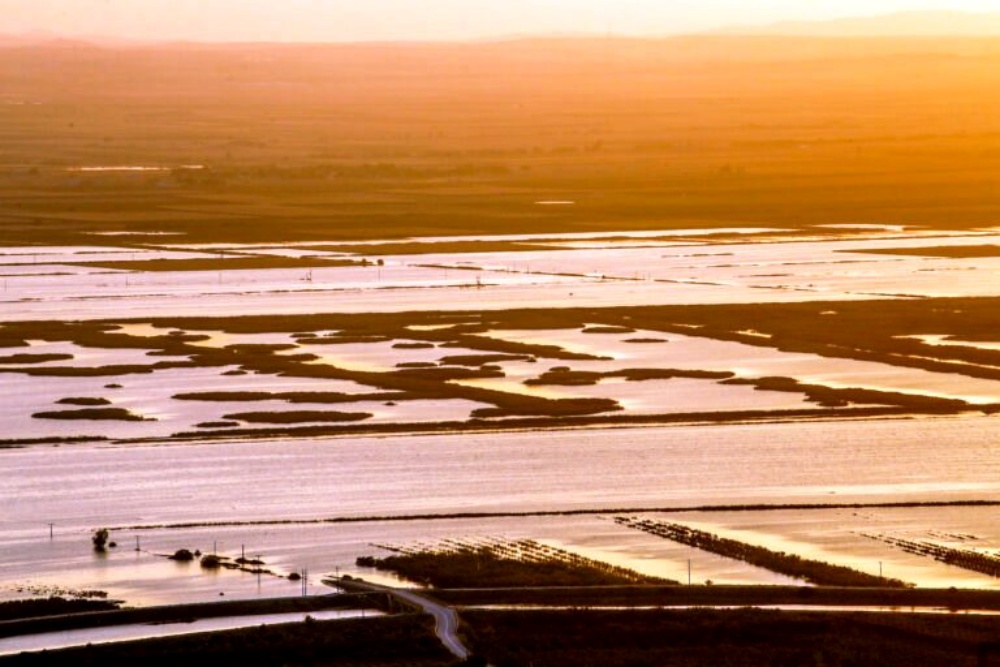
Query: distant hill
point(902, 24)
point(46, 38)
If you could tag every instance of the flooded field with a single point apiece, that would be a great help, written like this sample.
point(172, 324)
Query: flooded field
point(231, 497)
point(704, 269)
point(422, 343)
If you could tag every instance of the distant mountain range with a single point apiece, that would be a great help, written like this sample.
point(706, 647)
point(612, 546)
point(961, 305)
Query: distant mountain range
point(902, 24)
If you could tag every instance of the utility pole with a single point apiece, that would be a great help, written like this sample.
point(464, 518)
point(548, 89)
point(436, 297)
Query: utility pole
point(51, 531)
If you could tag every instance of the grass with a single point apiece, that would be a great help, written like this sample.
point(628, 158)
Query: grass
point(743, 637)
point(371, 642)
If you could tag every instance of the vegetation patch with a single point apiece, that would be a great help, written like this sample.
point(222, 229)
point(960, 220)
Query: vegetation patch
point(942, 252)
point(449, 373)
point(501, 563)
point(370, 642)
point(436, 247)
point(83, 400)
point(482, 359)
point(567, 377)
point(93, 414)
point(298, 417)
point(331, 397)
point(34, 358)
point(838, 398)
point(343, 340)
point(52, 606)
point(99, 371)
point(564, 407)
point(812, 571)
point(965, 558)
point(731, 637)
point(599, 329)
point(234, 263)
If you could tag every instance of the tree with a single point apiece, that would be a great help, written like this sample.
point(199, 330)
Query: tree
point(100, 539)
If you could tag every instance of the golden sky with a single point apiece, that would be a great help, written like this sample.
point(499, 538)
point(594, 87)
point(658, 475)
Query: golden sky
point(366, 20)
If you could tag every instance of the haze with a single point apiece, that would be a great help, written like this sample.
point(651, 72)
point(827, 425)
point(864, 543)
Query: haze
point(336, 20)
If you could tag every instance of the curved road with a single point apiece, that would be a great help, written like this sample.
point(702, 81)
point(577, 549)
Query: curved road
point(445, 618)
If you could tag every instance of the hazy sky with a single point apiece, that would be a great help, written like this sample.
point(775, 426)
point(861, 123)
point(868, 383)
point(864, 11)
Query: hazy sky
point(364, 20)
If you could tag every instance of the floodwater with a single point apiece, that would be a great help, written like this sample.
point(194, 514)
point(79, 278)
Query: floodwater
point(122, 633)
point(215, 495)
point(704, 271)
point(83, 487)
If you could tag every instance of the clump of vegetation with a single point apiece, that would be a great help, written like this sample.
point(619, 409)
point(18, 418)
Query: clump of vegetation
point(219, 424)
point(182, 556)
point(211, 562)
point(100, 539)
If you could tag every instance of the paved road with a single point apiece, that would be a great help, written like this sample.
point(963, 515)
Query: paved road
point(445, 618)
point(445, 621)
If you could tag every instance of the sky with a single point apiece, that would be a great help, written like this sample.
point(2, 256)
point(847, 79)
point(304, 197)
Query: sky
point(378, 20)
